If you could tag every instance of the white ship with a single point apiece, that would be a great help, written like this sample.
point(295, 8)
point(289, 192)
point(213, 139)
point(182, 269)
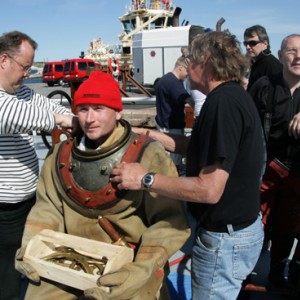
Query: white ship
point(35, 72)
point(139, 15)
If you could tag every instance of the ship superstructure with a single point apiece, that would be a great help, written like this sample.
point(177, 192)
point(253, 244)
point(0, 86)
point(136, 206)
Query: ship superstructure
point(139, 15)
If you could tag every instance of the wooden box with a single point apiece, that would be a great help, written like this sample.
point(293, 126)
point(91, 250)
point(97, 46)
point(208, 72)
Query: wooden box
point(46, 242)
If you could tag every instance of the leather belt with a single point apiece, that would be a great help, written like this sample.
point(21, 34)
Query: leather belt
point(225, 228)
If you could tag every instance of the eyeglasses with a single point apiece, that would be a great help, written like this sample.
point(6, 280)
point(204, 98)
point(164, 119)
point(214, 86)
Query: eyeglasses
point(25, 69)
point(251, 43)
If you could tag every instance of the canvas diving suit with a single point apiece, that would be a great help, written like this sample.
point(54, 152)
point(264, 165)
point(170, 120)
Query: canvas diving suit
point(74, 190)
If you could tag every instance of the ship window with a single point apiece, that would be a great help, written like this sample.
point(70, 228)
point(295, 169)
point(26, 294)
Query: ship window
point(133, 24)
point(126, 26)
point(159, 23)
point(126, 50)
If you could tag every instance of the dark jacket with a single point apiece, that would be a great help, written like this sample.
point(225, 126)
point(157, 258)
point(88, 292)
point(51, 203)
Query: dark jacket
point(284, 106)
point(264, 65)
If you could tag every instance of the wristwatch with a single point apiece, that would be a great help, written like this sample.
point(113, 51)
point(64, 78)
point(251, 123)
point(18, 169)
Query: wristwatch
point(148, 180)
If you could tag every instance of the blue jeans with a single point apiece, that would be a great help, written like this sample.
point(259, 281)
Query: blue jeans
point(221, 261)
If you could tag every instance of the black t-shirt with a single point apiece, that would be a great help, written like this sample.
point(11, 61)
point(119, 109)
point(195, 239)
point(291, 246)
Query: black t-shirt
point(170, 102)
point(228, 130)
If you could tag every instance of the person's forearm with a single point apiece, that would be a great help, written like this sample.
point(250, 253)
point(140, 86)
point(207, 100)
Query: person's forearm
point(207, 187)
point(171, 142)
point(191, 189)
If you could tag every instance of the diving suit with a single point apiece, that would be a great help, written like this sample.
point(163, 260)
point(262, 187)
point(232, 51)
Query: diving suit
point(74, 190)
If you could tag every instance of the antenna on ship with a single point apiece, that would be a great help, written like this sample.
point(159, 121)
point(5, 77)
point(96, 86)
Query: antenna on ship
point(155, 4)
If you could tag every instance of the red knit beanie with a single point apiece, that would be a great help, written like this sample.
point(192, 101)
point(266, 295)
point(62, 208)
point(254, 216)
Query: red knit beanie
point(99, 88)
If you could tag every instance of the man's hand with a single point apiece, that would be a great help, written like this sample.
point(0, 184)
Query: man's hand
point(25, 268)
point(128, 176)
point(294, 126)
point(69, 123)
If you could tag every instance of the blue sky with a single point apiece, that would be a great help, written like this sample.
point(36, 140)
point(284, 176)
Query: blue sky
point(64, 28)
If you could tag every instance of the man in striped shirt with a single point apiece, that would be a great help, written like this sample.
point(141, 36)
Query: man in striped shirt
point(21, 111)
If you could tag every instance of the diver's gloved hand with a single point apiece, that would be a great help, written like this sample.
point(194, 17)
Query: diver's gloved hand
point(97, 293)
point(128, 280)
point(25, 268)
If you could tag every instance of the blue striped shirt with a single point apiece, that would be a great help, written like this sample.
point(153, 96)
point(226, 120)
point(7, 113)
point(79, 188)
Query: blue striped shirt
point(21, 113)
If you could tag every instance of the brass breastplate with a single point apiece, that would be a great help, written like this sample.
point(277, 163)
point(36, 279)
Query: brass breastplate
point(84, 175)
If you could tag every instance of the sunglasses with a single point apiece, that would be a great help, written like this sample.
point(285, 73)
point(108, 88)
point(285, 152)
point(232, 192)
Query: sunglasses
point(251, 43)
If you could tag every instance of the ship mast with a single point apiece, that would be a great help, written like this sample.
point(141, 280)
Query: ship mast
point(138, 4)
point(155, 4)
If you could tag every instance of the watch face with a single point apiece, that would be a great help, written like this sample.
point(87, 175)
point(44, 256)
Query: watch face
point(148, 179)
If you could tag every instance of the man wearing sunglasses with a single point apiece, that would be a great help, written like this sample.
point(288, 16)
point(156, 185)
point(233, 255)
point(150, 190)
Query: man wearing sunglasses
point(257, 45)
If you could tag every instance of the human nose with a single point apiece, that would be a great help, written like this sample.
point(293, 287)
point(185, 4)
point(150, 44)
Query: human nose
point(90, 116)
point(248, 47)
point(26, 73)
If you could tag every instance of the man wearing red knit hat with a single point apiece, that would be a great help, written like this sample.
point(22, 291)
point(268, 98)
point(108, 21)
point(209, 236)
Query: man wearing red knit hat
point(75, 195)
